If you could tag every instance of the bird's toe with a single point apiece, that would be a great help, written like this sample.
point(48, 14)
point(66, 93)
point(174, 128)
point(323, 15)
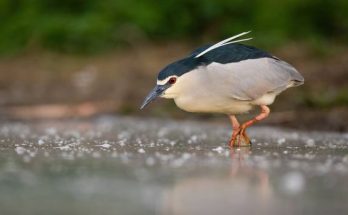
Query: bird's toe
point(240, 141)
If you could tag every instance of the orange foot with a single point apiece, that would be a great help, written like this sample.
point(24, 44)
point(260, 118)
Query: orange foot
point(239, 139)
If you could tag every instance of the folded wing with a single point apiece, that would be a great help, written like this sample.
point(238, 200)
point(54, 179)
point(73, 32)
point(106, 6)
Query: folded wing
point(250, 79)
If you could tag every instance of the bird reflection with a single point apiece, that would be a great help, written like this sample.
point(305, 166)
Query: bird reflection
point(231, 190)
point(242, 167)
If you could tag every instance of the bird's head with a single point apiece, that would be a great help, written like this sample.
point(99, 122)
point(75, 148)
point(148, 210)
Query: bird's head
point(169, 80)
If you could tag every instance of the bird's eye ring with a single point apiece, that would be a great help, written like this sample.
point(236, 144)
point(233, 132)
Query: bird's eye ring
point(172, 80)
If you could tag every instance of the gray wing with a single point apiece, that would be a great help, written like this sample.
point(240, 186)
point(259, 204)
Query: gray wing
point(251, 79)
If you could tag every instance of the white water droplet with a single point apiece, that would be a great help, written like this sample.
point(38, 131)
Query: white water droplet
point(40, 142)
point(141, 150)
point(20, 150)
point(218, 149)
point(293, 182)
point(105, 145)
point(310, 143)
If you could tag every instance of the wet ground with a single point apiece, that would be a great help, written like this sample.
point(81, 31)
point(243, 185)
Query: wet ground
point(114, 165)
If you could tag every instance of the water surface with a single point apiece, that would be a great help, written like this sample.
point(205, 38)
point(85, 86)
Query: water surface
point(115, 165)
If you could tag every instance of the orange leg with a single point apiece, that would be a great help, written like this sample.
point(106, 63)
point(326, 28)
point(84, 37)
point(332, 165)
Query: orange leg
point(264, 114)
point(237, 135)
point(239, 131)
point(236, 129)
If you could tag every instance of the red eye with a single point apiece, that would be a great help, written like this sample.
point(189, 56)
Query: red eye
point(172, 80)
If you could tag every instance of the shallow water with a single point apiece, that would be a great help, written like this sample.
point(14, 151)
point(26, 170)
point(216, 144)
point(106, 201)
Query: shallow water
point(112, 165)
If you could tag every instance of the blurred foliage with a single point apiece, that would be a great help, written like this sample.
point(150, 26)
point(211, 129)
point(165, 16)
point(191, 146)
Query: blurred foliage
point(88, 26)
point(327, 99)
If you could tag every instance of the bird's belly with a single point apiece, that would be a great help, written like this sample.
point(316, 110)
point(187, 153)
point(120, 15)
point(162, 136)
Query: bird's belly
point(213, 105)
point(266, 99)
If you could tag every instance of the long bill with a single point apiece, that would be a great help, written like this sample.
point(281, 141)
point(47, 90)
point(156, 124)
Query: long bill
point(155, 92)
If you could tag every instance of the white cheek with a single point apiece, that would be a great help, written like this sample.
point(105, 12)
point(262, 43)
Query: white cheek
point(170, 90)
point(173, 91)
point(162, 82)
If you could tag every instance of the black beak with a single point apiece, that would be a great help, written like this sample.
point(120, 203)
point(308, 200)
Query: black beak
point(157, 91)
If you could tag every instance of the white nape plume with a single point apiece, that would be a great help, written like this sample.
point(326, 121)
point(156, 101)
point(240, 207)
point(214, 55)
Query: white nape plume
point(225, 42)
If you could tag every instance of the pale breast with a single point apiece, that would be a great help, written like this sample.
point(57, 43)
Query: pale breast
point(213, 105)
point(198, 92)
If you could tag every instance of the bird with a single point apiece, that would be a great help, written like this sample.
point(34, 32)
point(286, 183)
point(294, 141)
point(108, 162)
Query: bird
point(229, 78)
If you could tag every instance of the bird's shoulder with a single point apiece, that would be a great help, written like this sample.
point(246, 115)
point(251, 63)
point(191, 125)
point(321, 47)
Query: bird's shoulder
point(230, 53)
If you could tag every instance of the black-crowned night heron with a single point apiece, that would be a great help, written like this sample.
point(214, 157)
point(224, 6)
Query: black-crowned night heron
point(228, 78)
